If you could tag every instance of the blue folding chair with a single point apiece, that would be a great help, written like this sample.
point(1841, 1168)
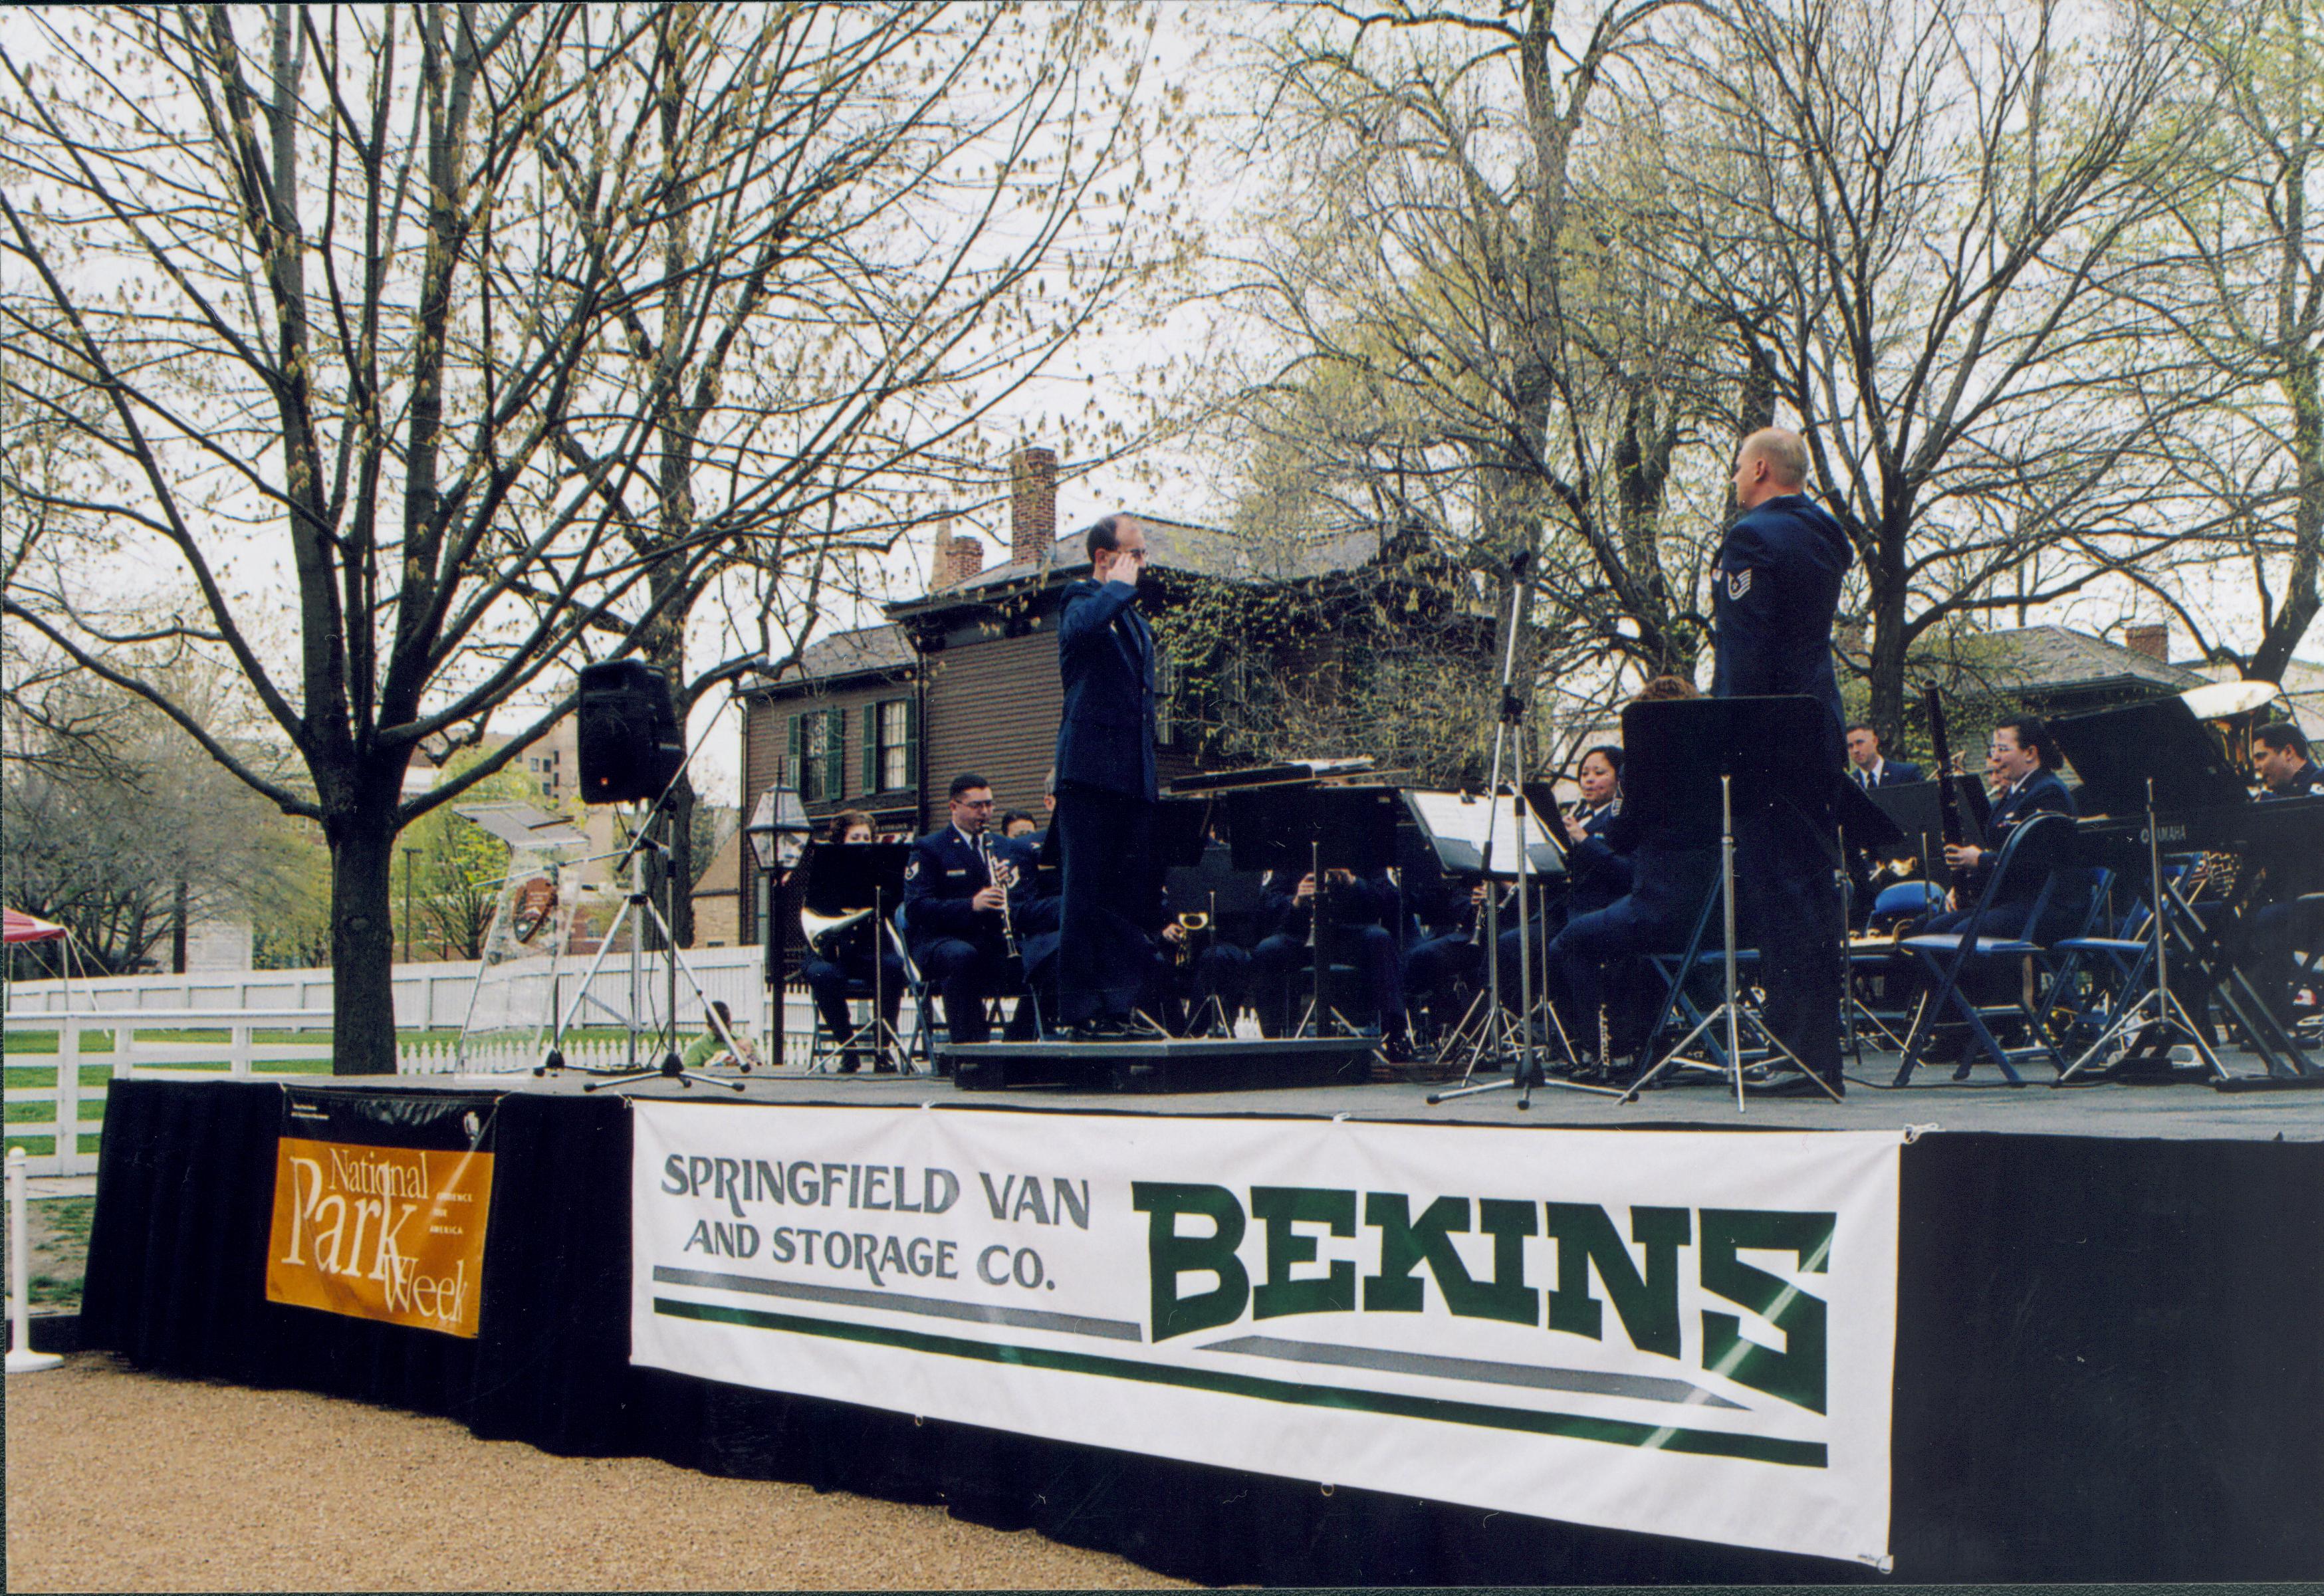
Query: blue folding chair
point(1945, 955)
point(1870, 959)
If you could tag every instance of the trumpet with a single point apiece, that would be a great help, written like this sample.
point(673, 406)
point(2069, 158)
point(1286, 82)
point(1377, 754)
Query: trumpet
point(1191, 922)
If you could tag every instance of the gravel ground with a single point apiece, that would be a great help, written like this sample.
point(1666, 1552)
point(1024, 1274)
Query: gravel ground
point(119, 1481)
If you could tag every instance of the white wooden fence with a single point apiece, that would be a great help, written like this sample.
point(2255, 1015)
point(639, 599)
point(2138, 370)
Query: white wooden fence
point(76, 1110)
point(427, 996)
point(137, 1045)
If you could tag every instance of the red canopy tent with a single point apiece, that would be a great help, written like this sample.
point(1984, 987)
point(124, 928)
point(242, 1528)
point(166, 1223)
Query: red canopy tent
point(24, 928)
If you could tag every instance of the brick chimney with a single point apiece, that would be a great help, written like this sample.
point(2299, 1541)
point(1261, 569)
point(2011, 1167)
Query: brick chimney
point(957, 558)
point(2153, 641)
point(1032, 504)
point(952, 559)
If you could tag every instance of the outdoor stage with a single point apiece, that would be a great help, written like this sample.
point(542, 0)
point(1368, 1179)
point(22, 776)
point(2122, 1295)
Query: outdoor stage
point(2108, 1327)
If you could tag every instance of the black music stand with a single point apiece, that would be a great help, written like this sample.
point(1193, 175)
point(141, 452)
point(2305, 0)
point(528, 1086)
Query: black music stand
point(1181, 831)
point(1683, 761)
point(1913, 807)
point(843, 877)
point(2119, 752)
point(1223, 892)
point(2149, 757)
point(1295, 831)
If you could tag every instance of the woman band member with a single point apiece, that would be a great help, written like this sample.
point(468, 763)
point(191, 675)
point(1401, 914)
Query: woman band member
point(848, 958)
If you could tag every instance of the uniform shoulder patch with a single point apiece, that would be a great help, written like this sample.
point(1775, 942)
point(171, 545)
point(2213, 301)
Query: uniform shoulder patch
point(912, 870)
point(1739, 583)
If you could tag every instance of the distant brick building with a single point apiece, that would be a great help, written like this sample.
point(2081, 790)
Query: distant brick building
point(964, 677)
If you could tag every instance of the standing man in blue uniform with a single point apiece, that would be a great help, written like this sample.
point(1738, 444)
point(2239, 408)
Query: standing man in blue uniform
point(1106, 789)
point(952, 913)
point(1775, 592)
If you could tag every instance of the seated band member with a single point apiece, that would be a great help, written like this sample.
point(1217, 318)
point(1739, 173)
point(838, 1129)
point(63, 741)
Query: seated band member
point(1016, 823)
point(2281, 926)
point(2018, 756)
point(952, 913)
point(1361, 912)
point(1868, 768)
point(1596, 960)
point(847, 956)
point(1446, 956)
point(1207, 970)
point(1597, 871)
point(1594, 963)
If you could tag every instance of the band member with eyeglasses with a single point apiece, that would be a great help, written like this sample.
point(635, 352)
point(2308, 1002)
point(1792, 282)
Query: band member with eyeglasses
point(848, 956)
point(2019, 755)
point(952, 913)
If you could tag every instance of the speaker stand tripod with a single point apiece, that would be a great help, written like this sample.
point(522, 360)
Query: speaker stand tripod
point(638, 907)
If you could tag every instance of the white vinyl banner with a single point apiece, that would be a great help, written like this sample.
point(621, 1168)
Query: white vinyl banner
point(1681, 1333)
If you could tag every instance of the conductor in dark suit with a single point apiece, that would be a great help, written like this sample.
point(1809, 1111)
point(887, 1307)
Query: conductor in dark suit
point(1868, 769)
point(1105, 786)
point(1775, 591)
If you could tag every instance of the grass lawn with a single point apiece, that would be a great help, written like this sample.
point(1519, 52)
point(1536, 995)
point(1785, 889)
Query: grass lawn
point(58, 1230)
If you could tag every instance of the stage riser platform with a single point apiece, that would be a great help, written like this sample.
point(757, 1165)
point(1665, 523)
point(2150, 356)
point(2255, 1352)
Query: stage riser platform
point(2106, 1367)
point(1162, 1066)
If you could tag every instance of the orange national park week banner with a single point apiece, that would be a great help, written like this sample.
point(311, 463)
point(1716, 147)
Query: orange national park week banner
point(380, 1200)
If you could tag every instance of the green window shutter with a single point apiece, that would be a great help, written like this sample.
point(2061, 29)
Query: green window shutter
point(834, 748)
point(793, 776)
point(870, 748)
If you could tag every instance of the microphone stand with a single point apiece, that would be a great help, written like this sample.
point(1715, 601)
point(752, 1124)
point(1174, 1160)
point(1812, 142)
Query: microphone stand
point(1509, 734)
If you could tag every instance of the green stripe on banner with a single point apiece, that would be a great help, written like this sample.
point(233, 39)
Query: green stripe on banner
point(1763, 1449)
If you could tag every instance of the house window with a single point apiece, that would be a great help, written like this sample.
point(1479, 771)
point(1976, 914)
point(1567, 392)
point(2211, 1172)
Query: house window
point(1165, 694)
point(893, 743)
point(816, 741)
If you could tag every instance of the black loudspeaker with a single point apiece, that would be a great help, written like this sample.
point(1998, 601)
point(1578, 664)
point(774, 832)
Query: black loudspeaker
point(628, 740)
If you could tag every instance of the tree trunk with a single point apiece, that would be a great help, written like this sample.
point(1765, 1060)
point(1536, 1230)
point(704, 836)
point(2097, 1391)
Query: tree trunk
point(677, 815)
point(1891, 631)
point(178, 929)
point(362, 943)
point(2289, 623)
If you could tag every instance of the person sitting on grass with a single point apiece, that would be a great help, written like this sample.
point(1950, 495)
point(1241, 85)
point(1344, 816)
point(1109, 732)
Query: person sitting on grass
point(710, 1047)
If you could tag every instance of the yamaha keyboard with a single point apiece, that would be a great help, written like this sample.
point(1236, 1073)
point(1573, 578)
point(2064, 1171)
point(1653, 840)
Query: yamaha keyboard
point(2273, 825)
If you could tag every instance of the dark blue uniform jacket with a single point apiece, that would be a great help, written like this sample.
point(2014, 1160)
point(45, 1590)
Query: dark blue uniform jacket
point(1599, 871)
point(1776, 587)
point(944, 871)
point(2042, 793)
point(1893, 773)
point(1105, 658)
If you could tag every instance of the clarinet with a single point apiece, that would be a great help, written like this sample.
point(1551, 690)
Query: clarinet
point(992, 875)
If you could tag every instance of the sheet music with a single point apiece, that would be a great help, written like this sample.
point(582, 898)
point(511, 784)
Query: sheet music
point(1457, 824)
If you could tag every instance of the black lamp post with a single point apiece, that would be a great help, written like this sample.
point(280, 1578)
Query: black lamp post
point(777, 834)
